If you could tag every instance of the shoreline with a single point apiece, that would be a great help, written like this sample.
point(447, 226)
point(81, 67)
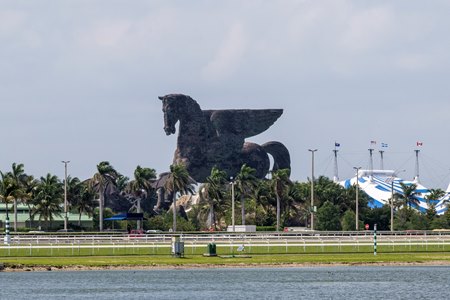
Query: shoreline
point(25, 268)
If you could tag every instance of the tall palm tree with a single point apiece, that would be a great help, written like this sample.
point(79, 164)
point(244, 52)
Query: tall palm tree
point(18, 176)
point(102, 181)
point(142, 179)
point(214, 189)
point(432, 198)
point(280, 184)
point(261, 195)
point(49, 197)
point(408, 196)
point(245, 182)
point(85, 201)
point(141, 186)
point(6, 190)
point(178, 181)
point(29, 192)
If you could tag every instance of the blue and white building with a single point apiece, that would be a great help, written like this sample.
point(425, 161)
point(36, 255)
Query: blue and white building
point(379, 185)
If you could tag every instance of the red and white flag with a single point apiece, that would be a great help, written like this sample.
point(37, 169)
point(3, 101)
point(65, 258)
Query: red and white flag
point(419, 144)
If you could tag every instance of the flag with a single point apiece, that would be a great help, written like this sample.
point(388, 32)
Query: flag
point(337, 144)
point(384, 145)
point(373, 142)
point(419, 144)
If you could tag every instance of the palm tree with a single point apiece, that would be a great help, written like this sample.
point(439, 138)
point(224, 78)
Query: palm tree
point(292, 203)
point(178, 181)
point(18, 176)
point(29, 192)
point(102, 181)
point(245, 181)
point(431, 198)
point(280, 184)
point(141, 186)
point(142, 179)
point(214, 189)
point(49, 197)
point(85, 201)
point(261, 196)
point(73, 190)
point(6, 190)
point(408, 196)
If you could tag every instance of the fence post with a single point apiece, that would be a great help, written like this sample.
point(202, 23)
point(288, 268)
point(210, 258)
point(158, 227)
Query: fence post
point(374, 239)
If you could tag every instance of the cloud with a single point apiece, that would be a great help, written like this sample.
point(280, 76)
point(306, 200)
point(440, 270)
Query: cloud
point(229, 55)
point(11, 22)
point(367, 29)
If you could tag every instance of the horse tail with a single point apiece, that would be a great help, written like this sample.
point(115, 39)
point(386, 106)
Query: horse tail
point(280, 154)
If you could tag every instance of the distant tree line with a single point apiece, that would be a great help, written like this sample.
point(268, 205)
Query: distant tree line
point(270, 204)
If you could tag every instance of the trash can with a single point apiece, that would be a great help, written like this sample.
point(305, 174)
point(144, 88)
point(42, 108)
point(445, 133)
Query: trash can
point(177, 247)
point(211, 250)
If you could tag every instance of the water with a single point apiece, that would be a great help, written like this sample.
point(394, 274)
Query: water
point(253, 283)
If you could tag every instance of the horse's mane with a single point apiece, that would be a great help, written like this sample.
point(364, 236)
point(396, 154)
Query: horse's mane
point(188, 101)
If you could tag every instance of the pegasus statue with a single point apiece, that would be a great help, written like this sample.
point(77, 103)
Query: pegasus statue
point(209, 138)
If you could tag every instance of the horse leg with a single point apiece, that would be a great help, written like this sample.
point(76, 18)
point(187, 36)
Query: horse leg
point(280, 154)
point(254, 156)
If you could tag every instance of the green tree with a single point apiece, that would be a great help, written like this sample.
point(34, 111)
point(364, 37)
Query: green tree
point(178, 181)
point(328, 217)
point(141, 186)
point(102, 182)
point(292, 206)
point(432, 198)
point(261, 195)
point(49, 197)
point(84, 202)
point(348, 221)
point(408, 196)
point(6, 190)
point(280, 185)
point(18, 176)
point(213, 190)
point(29, 192)
point(245, 182)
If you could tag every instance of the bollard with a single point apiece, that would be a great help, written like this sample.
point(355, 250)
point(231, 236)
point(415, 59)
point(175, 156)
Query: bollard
point(7, 238)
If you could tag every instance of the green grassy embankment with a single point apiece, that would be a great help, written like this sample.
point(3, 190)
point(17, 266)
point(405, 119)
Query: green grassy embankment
point(134, 261)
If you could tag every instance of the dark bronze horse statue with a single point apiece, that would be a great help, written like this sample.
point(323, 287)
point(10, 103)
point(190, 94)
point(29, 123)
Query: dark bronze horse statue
point(209, 138)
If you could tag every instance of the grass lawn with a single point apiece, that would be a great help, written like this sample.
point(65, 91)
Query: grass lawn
point(199, 261)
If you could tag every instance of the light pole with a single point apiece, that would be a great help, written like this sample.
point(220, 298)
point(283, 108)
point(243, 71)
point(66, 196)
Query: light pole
point(312, 187)
point(357, 195)
point(65, 162)
point(392, 200)
point(232, 203)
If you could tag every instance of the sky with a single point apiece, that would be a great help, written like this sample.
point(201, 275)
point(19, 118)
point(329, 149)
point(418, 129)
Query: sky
point(80, 80)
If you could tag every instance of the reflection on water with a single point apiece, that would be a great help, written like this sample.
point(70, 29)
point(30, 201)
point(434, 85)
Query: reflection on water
point(257, 283)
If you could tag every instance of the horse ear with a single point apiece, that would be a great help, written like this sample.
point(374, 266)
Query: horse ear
point(160, 97)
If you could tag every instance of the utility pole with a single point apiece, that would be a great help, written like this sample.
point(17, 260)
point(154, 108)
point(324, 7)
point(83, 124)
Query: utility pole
point(357, 195)
point(312, 187)
point(65, 162)
point(232, 203)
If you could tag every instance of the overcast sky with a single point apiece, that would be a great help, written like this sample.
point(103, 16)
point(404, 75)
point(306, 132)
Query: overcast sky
point(79, 80)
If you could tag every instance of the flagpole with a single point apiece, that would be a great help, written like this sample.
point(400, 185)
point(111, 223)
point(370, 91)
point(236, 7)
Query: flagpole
point(336, 175)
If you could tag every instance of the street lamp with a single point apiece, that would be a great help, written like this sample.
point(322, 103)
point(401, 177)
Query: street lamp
point(357, 194)
point(65, 162)
point(392, 199)
point(232, 203)
point(312, 187)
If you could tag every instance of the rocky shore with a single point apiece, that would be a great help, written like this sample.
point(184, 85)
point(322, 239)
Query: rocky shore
point(26, 268)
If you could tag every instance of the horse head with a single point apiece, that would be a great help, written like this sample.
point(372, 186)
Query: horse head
point(171, 109)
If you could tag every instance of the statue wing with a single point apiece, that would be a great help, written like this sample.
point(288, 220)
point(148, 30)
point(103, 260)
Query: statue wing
point(243, 123)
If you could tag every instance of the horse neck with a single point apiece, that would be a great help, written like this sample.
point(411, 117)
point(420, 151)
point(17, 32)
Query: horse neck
point(192, 122)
